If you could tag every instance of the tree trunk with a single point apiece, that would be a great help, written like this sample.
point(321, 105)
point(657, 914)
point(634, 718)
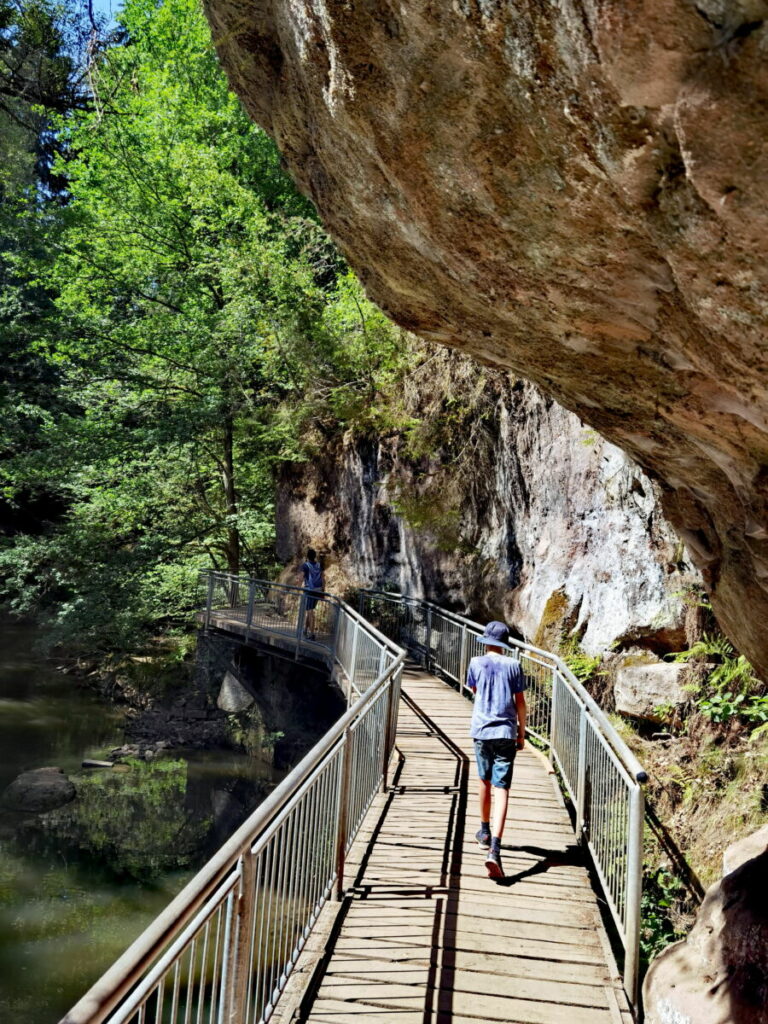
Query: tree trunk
point(232, 545)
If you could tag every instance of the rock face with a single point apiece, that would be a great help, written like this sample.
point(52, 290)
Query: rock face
point(719, 974)
point(645, 686)
point(528, 515)
point(38, 791)
point(233, 696)
point(575, 190)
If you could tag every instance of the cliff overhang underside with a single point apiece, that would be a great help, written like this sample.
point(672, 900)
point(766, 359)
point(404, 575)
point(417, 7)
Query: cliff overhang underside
point(575, 191)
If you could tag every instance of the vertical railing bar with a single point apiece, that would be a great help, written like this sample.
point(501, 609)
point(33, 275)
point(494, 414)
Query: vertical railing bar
point(634, 893)
point(175, 996)
point(261, 996)
point(203, 972)
point(209, 600)
point(272, 930)
point(191, 981)
point(249, 612)
point(343, 819)
point(241, 939)
point(160, 991)
point(226, 957)
point(215, 976)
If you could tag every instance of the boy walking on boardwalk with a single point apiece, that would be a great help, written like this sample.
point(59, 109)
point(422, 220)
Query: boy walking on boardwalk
point(498, 729)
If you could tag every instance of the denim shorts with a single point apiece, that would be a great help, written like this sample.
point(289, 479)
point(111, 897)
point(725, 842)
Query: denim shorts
point(495, 761)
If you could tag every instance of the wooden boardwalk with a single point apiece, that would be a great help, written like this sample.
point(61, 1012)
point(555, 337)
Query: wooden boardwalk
point(424, 937)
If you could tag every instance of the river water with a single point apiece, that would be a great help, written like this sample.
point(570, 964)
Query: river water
point(78, 884)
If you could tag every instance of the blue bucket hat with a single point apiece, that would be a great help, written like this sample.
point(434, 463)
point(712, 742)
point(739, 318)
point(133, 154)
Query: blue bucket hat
point(496, 635)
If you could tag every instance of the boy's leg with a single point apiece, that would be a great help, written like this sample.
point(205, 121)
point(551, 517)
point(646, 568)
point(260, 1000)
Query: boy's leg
point(501, 778)
point(484, 794)
point(500, 803)
point(483, 835)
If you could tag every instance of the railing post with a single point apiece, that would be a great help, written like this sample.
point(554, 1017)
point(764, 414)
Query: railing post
point(353, 661)
point(300, 621)
point(239, 971)
point(209, 600)
point(390, 727)
point(336, 628)
point(343, 824)
point(428, 642)
point(581, 775)
point(249, 612)
point(463, 658)
point(552, 715)
point(634, 892)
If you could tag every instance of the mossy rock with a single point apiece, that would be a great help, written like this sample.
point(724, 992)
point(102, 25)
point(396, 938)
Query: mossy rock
point(553, 622)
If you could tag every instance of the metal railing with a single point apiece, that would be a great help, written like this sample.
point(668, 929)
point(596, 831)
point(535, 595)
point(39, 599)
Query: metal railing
point(223, 950)
point(310, 623)
point(601, 774)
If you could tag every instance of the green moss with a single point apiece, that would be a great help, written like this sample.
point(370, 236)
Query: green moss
point(431, 513)
point(552, 623)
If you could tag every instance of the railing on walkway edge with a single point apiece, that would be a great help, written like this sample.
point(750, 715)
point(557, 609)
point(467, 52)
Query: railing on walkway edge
point(601, 774)
point(314, 624)
point(224, 948)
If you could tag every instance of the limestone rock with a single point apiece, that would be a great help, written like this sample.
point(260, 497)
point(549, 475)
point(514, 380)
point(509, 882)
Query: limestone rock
point(745, 849)
point(37, 791)
point(576, 191)
point(719, 974)
point(233, 696)
point(644, 683)
point(553, 525)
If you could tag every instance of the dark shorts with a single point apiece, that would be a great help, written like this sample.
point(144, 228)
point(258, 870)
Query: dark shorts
point(495, 761)
point(313, 596)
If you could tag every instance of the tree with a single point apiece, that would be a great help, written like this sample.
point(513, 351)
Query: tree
point(203, 326)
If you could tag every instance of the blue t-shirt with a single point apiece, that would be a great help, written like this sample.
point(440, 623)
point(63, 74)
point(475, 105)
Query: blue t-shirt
point(495, 679)
point(313, 575)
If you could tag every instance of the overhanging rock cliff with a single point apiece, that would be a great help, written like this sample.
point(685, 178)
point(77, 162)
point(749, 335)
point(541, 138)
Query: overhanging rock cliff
point(576, 190)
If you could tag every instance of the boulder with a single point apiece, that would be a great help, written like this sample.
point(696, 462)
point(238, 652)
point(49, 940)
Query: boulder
point(643, 684)
point(719, 974)
point(42, 789)
point(745, 849)
point(233, 696)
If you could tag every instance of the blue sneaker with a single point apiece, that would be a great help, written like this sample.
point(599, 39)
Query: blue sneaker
point(483, 839)
point(493, 865)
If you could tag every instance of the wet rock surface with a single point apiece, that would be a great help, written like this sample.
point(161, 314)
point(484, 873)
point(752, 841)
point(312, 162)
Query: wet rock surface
point(719, 974)
point(576, 191)
point(38, 791)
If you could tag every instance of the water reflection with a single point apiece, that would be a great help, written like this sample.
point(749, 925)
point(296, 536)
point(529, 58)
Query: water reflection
point(78, 884)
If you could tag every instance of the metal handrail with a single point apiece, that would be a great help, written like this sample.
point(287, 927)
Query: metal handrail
point(216, 947)
point(628, 758)
point(602, 776)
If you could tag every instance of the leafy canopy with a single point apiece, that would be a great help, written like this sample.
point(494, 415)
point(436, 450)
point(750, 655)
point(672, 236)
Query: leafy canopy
point(201, 330)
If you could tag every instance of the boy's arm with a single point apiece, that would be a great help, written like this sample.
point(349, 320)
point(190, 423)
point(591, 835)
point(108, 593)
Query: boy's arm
point(471, 681)
point(521, 708)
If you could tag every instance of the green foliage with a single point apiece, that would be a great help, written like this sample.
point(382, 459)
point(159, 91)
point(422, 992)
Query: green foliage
point(730, 685)
point(175, 329)
point(582, 665)
point(661, 890)
point(731, 670)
